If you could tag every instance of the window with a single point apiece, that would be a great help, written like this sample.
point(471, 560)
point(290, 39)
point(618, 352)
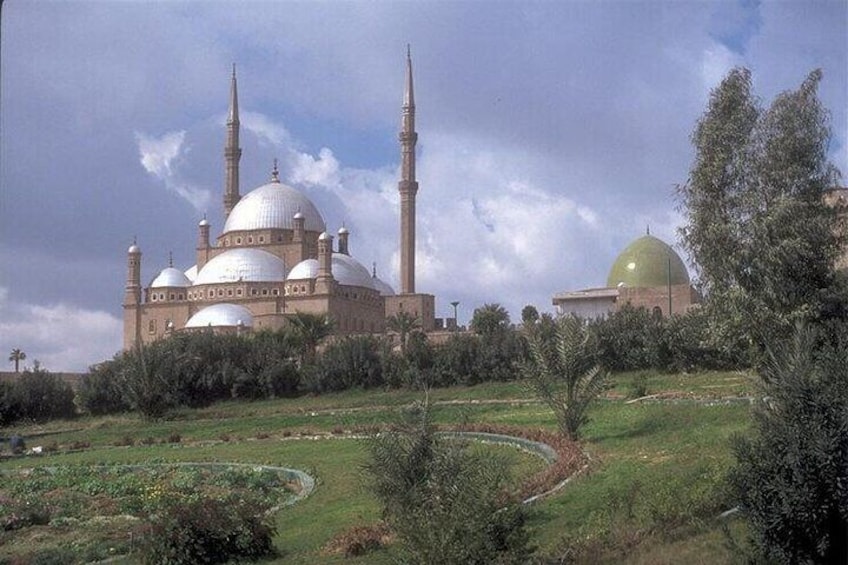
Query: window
point(238, 292)
point(171, 296)
point(264, 292)
point(220, 292)
point(250, 239)
point(261, 239)
point(238, 241)
point(229, 292)
point(151, 327)
point(253, 292)
point(276, 292)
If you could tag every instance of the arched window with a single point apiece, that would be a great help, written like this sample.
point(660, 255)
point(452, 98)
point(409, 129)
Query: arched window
point(151, 326)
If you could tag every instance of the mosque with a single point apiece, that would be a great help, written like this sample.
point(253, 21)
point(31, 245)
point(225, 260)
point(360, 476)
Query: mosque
point(647, 274)
point(275, 257)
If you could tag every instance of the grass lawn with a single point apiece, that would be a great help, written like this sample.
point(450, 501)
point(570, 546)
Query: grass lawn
point(650, 494)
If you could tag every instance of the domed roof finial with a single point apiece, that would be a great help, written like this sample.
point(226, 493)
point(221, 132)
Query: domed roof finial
point(170, 258)
point(374, 270)
point(648, 229)
point(275, 174)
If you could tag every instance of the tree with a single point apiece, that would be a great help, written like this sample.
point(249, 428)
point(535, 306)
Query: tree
point(310, 329)
point(529, 315)
point(445, 503)
point(762, 237)
point(404, 324)
point(790, 477)
point(564, 373)
point(16, 357)
point(489, 319)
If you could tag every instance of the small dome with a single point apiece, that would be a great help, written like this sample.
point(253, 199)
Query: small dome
point(343, 230)
point(169, 277)
point(324, 236)
point(273, 206)
point(191, 273)
point(298, 215)
point(648, 262)
point(306, 269)
point(134, 249)
point(203, 223)
point(382, 287)
point(242, 264)
point(221, 315)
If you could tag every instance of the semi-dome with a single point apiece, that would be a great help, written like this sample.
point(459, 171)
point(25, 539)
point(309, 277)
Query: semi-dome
point(221, 315)
point(273, 206)
point(242, 264)
point(306, 269)
point(381, 286)
point(169, 277)
point(346, 270)
point(349, 271)
point(648, 262)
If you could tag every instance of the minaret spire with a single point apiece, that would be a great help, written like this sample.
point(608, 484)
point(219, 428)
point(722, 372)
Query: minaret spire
point(232, 151)
point(408, 186)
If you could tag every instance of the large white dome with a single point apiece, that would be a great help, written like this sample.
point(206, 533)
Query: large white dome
point(221, 315)
point(170, 277)
point(381, 286)
point(273, 206)
point(242, 264)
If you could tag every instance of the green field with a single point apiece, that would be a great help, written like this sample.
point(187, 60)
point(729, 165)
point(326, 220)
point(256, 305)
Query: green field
point(651, 494)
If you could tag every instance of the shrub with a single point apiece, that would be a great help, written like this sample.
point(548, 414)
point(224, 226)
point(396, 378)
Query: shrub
point(208, 530)
point(42, 396)
point(445, 503)
point(10, 409)
point(100, 392)
point(348, 363)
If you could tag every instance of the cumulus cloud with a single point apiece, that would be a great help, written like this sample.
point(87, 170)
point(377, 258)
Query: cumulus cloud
point(266, 130)
point(161, 156)
point(62, 337)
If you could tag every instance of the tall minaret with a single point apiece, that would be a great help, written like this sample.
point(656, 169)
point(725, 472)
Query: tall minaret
point(232, 151)
point(407, 186)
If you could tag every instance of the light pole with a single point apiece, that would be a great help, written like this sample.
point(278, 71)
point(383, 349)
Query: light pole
point(455, 303)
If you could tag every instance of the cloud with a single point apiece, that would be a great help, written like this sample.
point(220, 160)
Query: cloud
point(266, 130)
point(62, 337)
point(161, 156)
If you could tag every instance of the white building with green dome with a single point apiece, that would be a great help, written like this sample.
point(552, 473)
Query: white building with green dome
point(648, 273)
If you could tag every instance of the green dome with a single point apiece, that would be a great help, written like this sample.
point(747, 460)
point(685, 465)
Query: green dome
point(645, 263)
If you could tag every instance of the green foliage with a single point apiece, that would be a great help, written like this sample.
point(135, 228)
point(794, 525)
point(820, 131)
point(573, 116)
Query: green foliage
point(309, 331)
point(404, 324)
point(628, 339)
point(790, 478)
point(564, 372)
point(757, 226)
point(489, 319)
point(347, 363)
point(10, 409)
point(40, 396)
point(444, 502)
point(529, 315)
point(99, 392)
point(208, 530)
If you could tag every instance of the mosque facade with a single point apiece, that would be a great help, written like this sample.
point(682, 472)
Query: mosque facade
point(275, 257)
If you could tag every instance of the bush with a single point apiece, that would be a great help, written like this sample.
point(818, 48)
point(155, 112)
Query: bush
point(42, 396)
point(790, 475)
point(100, 392)
point(348, 363)
point(208, 530)
point(445, 503)
point(10, 408)
point(628, 339)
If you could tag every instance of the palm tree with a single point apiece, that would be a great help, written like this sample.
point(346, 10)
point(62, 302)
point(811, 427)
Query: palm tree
point(310, 329)
point(404, 324)
point(564, 373)
point(16, 357)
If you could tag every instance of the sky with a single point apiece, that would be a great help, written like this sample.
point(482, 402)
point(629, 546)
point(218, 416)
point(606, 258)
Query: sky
point(551, 134)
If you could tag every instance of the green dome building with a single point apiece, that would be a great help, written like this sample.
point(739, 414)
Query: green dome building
point(647, 274)
point(648, 262)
